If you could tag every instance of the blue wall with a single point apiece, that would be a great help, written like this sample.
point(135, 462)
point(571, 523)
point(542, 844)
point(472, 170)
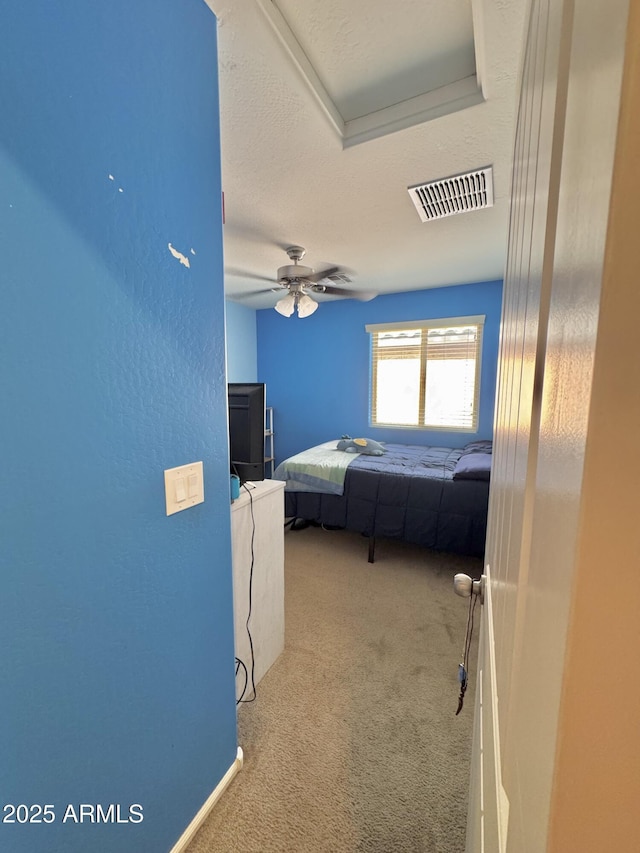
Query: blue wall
point(116, 623)
point(242, 356)
point(317, 369)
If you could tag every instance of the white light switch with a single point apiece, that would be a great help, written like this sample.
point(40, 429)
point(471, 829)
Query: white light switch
point(183, 487)
point(193, 485)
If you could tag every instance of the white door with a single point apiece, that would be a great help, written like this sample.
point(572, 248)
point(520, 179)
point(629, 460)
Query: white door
point(565, 149)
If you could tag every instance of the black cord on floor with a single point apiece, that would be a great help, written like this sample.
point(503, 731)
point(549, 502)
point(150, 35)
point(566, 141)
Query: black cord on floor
point(240, 663)
point(253, 658)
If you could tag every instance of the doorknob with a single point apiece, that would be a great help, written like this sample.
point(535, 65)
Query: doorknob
point(466, 586)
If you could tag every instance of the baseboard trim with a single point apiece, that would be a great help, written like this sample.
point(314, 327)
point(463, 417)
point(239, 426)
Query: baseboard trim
point(187, 836)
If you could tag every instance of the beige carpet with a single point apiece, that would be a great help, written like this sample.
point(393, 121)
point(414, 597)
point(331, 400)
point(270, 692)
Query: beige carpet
point(353, 744)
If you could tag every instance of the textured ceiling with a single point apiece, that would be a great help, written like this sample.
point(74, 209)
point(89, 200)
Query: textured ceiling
point(288, 177)
point(356, 55)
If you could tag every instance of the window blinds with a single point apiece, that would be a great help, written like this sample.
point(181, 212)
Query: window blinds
point(426, 373)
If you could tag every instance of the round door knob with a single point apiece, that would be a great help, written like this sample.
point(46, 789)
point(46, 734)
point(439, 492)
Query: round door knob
point(463, 585)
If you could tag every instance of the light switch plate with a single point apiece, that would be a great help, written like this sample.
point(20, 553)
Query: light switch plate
point(183, 487)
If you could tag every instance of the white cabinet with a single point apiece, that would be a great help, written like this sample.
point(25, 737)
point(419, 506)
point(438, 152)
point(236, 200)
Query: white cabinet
point(257, 543)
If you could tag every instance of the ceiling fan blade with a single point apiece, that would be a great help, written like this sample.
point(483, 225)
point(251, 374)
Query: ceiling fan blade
point(361, 295)
point(318, 275)
point(274, 289)
point(246, 274)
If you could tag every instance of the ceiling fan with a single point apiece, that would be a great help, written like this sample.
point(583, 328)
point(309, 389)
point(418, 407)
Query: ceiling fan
point(300, 281)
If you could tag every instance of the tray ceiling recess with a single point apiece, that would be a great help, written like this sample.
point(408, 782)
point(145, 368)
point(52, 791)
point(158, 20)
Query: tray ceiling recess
point(457, 194)
point(355, 77)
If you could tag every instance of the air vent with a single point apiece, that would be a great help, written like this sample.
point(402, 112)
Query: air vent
point(457, 194)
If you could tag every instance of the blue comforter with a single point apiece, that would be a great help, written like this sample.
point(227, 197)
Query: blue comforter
point(408, 493)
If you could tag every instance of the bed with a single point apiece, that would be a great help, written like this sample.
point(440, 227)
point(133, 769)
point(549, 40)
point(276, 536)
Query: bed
point(436, 497)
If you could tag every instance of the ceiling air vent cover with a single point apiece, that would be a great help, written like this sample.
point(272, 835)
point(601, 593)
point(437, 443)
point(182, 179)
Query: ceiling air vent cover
point(457, 194)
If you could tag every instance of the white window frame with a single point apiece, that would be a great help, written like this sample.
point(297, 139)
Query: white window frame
point(425, 325)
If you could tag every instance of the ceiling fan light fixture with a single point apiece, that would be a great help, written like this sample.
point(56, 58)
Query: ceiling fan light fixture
point(300, 281)
point(286, 305)
point(306, 306)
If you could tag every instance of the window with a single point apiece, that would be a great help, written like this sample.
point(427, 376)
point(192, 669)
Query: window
point(426, 373)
